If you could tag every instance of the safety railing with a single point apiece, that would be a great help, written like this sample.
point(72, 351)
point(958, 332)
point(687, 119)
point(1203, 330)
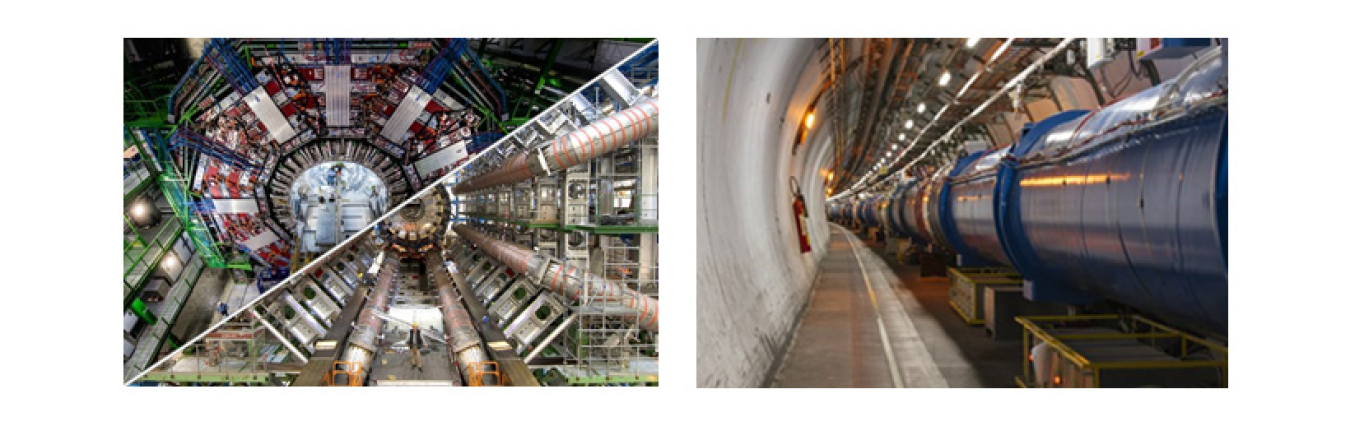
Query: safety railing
point(344, 373)
point(485, 373)
point(141, 255)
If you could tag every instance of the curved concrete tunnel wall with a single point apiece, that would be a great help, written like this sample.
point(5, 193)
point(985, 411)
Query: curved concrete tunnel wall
point(753, 281)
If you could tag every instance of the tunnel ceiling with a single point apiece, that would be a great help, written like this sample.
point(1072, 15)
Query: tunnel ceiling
point(887, 100)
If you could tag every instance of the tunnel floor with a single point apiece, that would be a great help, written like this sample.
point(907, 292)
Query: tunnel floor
point(840, 341)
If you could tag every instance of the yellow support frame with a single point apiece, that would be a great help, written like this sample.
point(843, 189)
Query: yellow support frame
point(978, 279)
point(1032, 329)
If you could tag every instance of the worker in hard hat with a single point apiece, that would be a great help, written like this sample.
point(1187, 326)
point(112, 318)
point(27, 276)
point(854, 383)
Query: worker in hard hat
point(415, 347)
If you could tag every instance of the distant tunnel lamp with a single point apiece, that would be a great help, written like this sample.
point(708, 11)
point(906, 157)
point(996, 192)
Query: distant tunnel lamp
point(971, 42)
point(902, 137)
point(922, 108)
point(946, 78)
point(909, 124)
point(810, 119)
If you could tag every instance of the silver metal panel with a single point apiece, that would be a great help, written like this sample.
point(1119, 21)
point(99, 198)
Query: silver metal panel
point(619, 88)
point(324, 217)
point(235, 205)
point(337, 94)
point(442, 158)
point(408, 110)
point(261, 240)
point(269, 114)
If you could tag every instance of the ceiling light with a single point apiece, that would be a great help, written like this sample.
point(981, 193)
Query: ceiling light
point(902, 136)
point(810, 119)
point(140, 210)
point(895, 146)
point(909, 124)
point(1001, 48)
point(971, 42)
point(923, 107)
point(946, 78)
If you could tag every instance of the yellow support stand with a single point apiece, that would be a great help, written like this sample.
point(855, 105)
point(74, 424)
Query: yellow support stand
point(1090, 351)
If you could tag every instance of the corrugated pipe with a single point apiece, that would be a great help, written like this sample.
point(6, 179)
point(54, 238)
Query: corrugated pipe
point(573, 283)
point(577, 147)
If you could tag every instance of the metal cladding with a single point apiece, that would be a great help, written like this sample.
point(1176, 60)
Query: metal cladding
point(868, 212)
point(461, 335)
point(895, 207)
point(915, 223)
point(1128, 203)
point(368, 324)
point(577, 147)
point(972, 220)
point(572, 283)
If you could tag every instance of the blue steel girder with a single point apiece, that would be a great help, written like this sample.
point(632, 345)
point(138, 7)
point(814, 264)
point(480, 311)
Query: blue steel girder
point(481, 141)
point(211, 148)
point(478, 65)
point(221, 54)
point(643, 67)
point(339, 50)
point(440, 66)
point(188, 77)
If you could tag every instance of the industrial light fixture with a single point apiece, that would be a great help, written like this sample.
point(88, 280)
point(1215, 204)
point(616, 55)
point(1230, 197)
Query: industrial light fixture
point(896, 146)
point(946, 78)
point(909, 124)
point(169, 261)
point(1001, 48)
point(971, 42)
point(902, 137)
point(810, 119)
point(922, 107)
point(140, 211)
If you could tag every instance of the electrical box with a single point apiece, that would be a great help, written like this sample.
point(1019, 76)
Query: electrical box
point(1169, 48)
point(1098, 51)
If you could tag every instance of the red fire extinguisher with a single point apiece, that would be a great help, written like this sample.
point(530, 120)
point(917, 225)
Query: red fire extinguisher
point(799, 213)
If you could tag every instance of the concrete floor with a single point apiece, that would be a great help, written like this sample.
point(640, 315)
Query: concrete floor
point(995, 362)
point(200, 307)
point(840, 342)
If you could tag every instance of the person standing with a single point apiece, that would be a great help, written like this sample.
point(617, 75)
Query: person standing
point(415, 347)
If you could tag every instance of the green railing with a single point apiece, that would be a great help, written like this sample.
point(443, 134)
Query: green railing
point(141, 255)
point(198, 234)
point(175, 191)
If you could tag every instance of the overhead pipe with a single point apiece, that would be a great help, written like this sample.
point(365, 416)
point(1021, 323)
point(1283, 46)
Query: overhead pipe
point(461, 335)
point(572, 283)
point(593, 140)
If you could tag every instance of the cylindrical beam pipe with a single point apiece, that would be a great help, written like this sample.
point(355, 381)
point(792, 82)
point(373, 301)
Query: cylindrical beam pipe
point(368, 325)
point(571, 283)
point(577, 147)
point(460, 333)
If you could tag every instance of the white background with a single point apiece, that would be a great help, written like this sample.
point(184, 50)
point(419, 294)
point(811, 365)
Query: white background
point(61, 109)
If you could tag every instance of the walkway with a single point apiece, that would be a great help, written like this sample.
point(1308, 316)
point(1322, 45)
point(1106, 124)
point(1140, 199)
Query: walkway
point(864, 328)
